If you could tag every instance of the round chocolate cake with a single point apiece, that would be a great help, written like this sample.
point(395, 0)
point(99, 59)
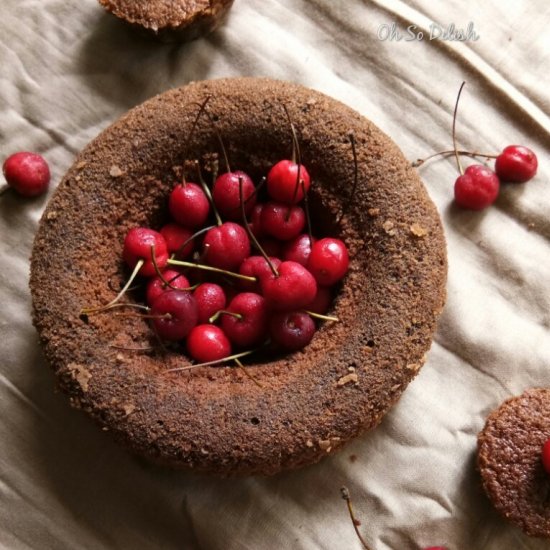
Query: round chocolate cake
point(510, 461)
point(298, 407)
point(171, 19)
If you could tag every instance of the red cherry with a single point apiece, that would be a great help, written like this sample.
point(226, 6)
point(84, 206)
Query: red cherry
point(546, 456)
point(298, 249)
point(156, 287)
point(176, 236)
point(189, 205)
point(282, 221)
point(179, 311)
point(516, 164)
point(477, 188)
point(294, 288)
point(226, 246)
point(210, 299)
point(321, 302)
point(251, 328)
point(27, 173)
point(256, 266)
point(282, 179)
point(208, 343)
point(226, 195)
point(291, 331)
point(328, 261)
point(137, 246)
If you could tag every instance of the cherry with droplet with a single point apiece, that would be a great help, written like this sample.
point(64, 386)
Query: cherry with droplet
point(208, 343)
point(138, 245)
point(189, 205)
point(245, 322)
point(176, 314)
point(328, 261)
point(210, 298)
point(156, 286)
point(226, 246)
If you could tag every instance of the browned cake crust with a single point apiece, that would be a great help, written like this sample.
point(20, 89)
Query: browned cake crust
point(171, 19)
point(509, 459)
point(215, 419)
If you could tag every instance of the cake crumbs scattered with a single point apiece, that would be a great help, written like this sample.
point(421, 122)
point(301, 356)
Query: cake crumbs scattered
point(347, 379)
point(389, 228)
point(415, 367)
point(418, 231)
point(80, 374)
point(115, 171)
point(128, 408)
point(51, 215)
point(309, 443)
point(81, 165)
point(325, 445)
point(373, 212)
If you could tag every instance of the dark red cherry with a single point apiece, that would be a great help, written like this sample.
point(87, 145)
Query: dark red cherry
point(291, 331)
point(178, 314)
point(282, 221)
point(226, 246)
point(156, 286)
point(250, 328)
point(328, 261)
point(189, 205)
point(208, 343)
point(282, 182)
point(226, 195)
point(256, 266)
point(477, 188)
point(298, 249)
point(210, 299)
point(294, 288)
point(137, 246)
point(516, 164)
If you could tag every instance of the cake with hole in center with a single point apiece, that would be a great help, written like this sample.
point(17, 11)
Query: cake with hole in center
point(296, 408)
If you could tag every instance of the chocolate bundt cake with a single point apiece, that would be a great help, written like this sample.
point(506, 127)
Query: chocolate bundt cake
point(510, 461)
point(171, 20)
point(302, 406)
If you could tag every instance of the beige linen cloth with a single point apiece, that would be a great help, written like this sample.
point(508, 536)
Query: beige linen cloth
point(67, 70)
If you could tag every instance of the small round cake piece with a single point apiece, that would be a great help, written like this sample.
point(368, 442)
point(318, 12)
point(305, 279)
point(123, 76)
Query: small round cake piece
point(171, 20)
point(510, 461)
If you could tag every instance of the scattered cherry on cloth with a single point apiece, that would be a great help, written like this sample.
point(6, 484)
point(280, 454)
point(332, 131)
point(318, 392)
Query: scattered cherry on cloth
point(27, 173)
point(477, 188)
point(516, 164)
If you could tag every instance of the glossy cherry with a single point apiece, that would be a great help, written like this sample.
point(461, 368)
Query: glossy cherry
point(177, 312)
point(226, 195)
point(208, 343)
point(189, 205)
point(477, 188)
point(298, 249)
point(176, 236)
point(294, 288)
point(321, 302)
point(255, 223)
point(137, 246)
point(546, 456)
point(328, 261)
point(210, 299)
point(282, 182)
point(156, 286)
point(291, 331)
point(226, 246)
point(250, 328)
point(27, 173)
point(516, 164)
point(282, 221)
point(256, 266)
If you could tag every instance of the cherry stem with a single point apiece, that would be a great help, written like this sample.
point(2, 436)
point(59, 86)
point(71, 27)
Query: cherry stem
point(144, 315)
point(165, 282)
point(220, 140)
point(88, 311)
point(215, 362)
point(420, 162)
point(202, 107)
point(148, 348)
point(216, 315)
point(193, 236)
point(322, 317)
point(208, 195)
point(355, 177)
point(210, 268)
point(346, 496)
point(242, 367)
point(251, 235)
point(296, 156)
point(454, 128)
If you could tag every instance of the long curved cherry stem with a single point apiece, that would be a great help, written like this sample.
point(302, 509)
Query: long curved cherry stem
point(143, 315)
point(322, 317)
point(165, 282)
point(193, 236)
point(355, 178)
point(216, 362)
point(346, 496)
point(454, 129)
point(296, 156)
point(216, 315)
point(214, 269)
point(420, 162)
point(245, 370)
point(202, 107)
point(124, 348)
point(220, 140)
point(89, 311)
point(251, 235)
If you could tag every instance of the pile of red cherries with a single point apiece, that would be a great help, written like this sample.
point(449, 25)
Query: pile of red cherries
point(208, 283)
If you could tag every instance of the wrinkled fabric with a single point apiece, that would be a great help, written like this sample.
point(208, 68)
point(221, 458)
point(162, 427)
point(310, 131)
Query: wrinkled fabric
point(68, 70)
